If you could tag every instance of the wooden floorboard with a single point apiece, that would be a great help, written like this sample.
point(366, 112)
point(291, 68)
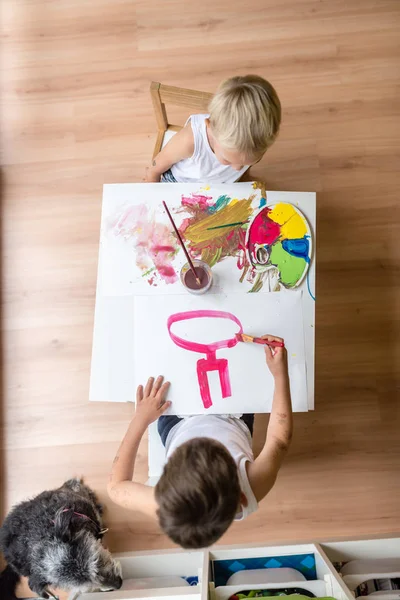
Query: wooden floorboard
point(76, 113)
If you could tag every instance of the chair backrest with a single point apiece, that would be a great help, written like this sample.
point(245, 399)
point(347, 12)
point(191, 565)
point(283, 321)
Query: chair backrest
point(162, 95)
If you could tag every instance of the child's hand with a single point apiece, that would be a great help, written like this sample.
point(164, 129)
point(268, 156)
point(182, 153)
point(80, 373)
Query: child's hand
point(150, 401)
point(276, 358)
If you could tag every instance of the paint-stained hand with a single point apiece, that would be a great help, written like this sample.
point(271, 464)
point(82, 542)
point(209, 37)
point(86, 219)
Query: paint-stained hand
point(276, 358)
point(150, 400)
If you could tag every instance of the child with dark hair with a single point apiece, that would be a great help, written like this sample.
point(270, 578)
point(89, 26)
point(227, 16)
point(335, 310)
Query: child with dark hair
point(210, 477)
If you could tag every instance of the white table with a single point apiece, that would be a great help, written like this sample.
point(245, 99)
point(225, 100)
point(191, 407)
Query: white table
point(113, 380)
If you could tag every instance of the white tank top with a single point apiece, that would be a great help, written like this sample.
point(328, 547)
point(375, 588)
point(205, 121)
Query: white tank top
point(203, 165)
point(229, 431)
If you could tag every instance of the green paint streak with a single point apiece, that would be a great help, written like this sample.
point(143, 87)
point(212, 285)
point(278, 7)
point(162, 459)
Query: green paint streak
point(257, 285)
point(243, 275)
point(148, 272)
point(227, 225)
point(290, 267)
point(216, 257)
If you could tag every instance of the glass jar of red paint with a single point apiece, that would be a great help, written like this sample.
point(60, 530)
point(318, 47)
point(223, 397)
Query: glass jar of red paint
point(203, 272)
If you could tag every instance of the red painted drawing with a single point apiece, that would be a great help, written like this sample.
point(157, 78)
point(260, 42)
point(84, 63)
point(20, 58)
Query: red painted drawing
point(211, 362)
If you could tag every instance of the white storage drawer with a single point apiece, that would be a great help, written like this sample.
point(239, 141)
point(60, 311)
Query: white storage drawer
point(160, 594)
point(327, 582)
point(358, 549)
point(157, 564)
point(365, 561)
point(225, 592)
point(182, 563)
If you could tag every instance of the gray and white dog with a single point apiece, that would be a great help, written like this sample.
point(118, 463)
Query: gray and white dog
point(55, 540)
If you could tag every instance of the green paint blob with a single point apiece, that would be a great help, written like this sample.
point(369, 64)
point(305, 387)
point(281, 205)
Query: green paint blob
point(290, 267)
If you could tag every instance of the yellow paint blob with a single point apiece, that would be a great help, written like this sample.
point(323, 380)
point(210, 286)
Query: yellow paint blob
point(293, 225)
point(220, 223)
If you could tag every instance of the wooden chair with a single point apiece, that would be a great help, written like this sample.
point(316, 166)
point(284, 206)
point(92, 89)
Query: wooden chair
point(162, 95)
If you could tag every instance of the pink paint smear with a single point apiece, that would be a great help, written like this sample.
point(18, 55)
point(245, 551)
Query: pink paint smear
point(197, 201)
point(211, 362)
point(154, 244)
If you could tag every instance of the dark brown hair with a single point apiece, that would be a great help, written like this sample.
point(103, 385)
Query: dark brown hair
point(198, 493)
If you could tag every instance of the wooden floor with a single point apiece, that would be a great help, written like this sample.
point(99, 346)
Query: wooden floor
point(77, 113)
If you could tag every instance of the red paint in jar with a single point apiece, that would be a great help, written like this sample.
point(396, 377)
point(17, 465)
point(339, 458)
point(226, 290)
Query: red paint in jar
point(203, 272)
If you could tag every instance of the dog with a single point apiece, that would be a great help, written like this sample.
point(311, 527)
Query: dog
point(55, 540)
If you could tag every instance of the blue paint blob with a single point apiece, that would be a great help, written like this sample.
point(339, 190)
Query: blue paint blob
point(299, 248)
point(308, 285)
point(263, 202)
point(219, 204)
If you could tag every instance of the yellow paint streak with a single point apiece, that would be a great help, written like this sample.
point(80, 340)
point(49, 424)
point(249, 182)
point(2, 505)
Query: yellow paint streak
point(260, 185)
point(237, 211)
point(293, 226)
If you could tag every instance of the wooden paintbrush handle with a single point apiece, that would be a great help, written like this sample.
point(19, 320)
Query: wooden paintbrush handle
point(182, 244)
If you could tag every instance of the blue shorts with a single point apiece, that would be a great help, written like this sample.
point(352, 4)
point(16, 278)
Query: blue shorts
point(167, 422)
point(167, 177)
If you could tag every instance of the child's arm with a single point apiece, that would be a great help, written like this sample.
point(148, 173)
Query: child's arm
point(180, 146)
point(263, 471)
point(150, 404)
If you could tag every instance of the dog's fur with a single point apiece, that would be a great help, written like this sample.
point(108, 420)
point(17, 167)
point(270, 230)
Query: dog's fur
point(45, 540)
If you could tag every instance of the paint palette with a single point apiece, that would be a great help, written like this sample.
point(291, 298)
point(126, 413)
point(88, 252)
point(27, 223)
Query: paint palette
point(279, 237)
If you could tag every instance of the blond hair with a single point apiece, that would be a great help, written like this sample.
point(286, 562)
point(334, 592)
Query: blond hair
point(245, 115)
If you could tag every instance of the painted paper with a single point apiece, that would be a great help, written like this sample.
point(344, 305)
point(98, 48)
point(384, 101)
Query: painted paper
point(191, 341)
point(249, 240)
point(210, 362)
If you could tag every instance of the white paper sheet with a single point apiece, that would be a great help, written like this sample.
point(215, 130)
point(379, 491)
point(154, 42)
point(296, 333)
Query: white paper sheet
point(134, 222)
point(135, 233)
point(252, 386)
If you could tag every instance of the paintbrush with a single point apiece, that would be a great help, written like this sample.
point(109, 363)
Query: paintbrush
point(243, 337)
point(191, 265)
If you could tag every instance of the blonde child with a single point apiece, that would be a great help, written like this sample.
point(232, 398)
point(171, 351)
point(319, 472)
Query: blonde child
point(219, 147)
point(210, 477)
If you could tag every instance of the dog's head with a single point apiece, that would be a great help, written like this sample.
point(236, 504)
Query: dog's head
point(76, 560)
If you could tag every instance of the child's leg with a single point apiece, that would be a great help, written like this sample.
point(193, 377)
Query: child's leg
point(165, 424)
point(249, 420)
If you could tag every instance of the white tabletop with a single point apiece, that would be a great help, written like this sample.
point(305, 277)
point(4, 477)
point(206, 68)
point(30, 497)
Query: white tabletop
point(112, 369)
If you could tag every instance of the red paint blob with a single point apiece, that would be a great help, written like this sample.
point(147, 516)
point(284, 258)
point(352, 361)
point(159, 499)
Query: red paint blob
point(197, 200)
point(263, 231)
point(166, 271)
point(211, 362)
point(160, 248)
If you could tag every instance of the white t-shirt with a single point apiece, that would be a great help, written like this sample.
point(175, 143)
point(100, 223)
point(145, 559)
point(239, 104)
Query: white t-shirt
point(203, 165)
point(233, 433)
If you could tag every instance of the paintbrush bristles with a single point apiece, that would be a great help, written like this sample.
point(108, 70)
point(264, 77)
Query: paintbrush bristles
point(245, 338)
point(182, 244)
